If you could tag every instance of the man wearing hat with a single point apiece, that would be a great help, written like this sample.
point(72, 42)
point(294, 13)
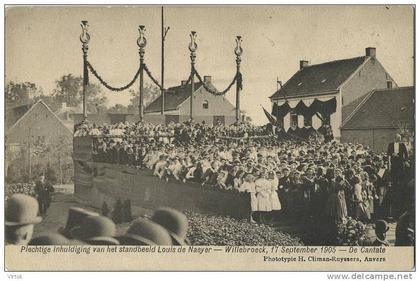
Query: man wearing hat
point(50, 239)
point(75, 218)
point(381, 228)
point(43, 193)
point(145, 232)
point(175, 222)
point(21, 216)
point(96, 230)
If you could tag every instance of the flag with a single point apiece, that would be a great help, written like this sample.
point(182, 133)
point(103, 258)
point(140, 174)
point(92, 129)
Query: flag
point(270, 117)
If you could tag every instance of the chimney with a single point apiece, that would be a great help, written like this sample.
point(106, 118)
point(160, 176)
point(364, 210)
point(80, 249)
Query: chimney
point(183, 82)
point(207, 79)
point(371, 52)
point(303, 64)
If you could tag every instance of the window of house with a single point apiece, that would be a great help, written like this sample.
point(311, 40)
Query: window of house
point(389, 84)
point(205, 104)
point(293, 119)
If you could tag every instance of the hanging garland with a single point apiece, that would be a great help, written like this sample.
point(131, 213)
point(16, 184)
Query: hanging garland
point(154, 80)
point(325, 108)
point(106, 85)
point(237, 77)
point(282, 110)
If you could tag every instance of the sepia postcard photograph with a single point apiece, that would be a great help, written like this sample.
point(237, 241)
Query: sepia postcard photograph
point(209, 138)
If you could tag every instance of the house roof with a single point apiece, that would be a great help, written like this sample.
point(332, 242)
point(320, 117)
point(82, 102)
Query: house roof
point(348, 110)
point(174, 97)
point(28, 115)
point(387, 108)
point(319, 78)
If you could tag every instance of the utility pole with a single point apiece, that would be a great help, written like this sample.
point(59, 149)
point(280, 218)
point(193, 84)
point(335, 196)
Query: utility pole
point(162, 76)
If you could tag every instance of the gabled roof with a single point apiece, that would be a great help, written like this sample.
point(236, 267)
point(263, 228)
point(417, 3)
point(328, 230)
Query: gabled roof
point(348, 110)
point(174, 97)
point(387, 108)
point(319, 78)
point(28, 115)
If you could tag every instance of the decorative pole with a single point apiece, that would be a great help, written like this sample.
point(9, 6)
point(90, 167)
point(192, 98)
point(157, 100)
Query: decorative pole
point(141, 42)
point(193, 47)
point(162, 76)
point(84, 38)
point(238, 53)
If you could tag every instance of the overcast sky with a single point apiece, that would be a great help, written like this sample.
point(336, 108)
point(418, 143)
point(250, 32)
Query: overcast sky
point(42, 44)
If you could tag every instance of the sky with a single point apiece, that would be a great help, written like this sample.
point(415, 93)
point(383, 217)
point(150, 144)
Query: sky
point(42, 43)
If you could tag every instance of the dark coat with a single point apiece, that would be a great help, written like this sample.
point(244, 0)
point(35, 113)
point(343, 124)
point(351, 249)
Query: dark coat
point(397, 161)
point(404, 232)
point(379, 243)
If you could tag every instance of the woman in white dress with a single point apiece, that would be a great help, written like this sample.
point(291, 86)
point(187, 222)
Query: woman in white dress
point(274, 198)
point(263, 188)
point(249, 186)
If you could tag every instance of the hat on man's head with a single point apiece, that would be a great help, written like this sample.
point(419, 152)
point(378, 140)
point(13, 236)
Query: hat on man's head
point(75, 218)
point(175, 222)
point(145, 232)
point(50, 239)
point(96, 230)
point(21, 209)
point(381, 226)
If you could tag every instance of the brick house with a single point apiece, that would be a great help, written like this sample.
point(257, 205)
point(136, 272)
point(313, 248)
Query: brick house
point(206, 106)
point(337, 83)
point(375, 118)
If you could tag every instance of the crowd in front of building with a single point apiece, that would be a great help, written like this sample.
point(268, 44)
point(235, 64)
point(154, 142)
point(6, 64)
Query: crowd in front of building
point(312, 179)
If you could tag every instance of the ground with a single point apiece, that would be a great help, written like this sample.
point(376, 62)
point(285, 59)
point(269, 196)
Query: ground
point(63, 199)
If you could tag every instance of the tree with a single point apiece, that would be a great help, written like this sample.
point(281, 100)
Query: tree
point(118, 108)
point(21, 93)
point(150, 94)
point(51, 101)
point(95, 98)
point(69, 90)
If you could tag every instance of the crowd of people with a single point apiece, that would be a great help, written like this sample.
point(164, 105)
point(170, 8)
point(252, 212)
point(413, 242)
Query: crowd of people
point(313, 179)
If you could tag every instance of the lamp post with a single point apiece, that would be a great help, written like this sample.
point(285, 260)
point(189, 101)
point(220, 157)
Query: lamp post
point(238, 53)
point(141, 42)
point(85, 38)
point(193, 48)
